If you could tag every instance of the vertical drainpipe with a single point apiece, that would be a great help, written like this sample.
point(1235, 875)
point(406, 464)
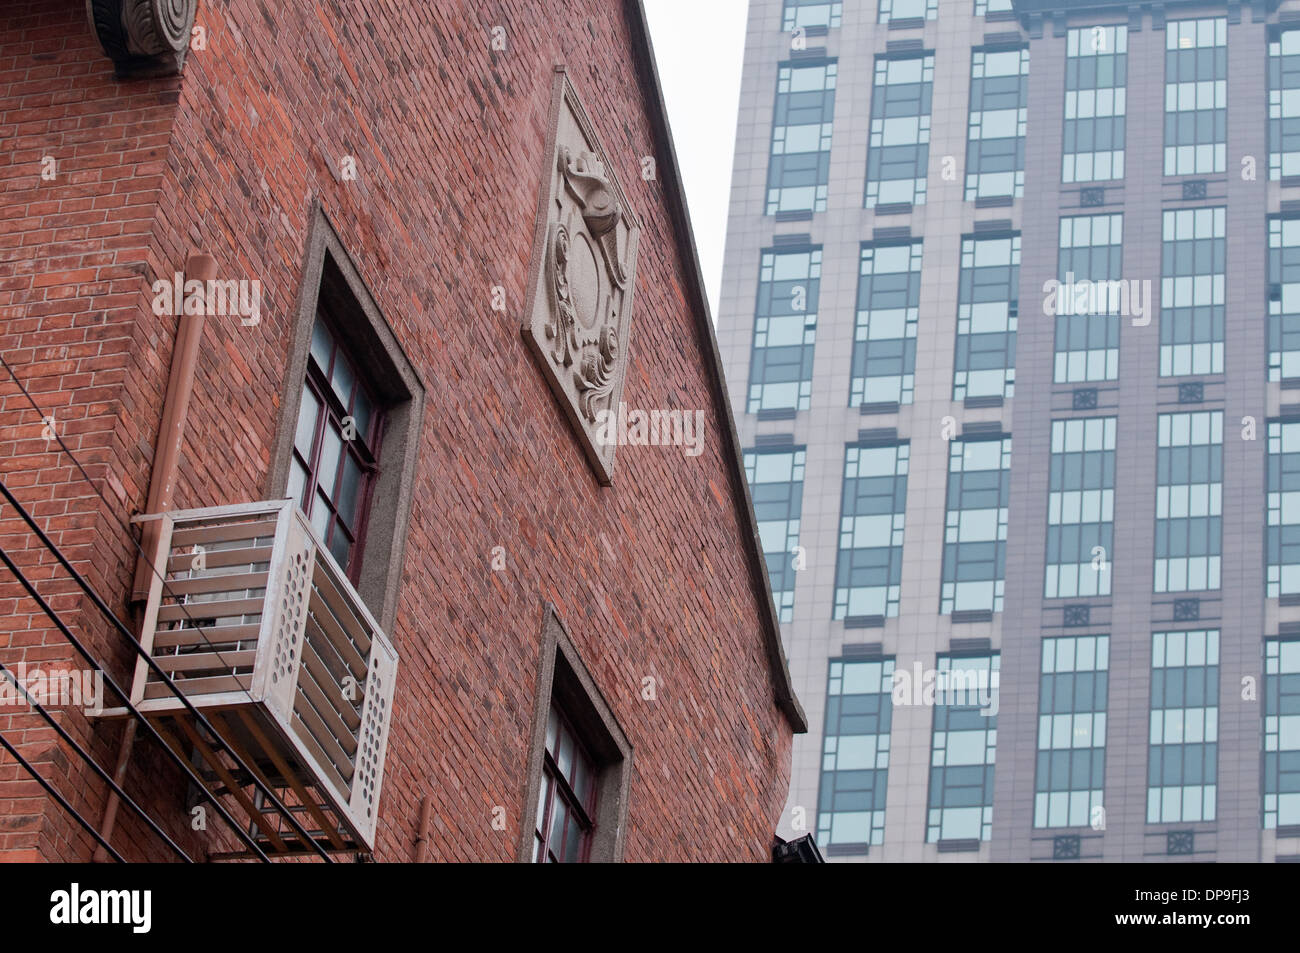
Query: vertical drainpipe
point(162, 485)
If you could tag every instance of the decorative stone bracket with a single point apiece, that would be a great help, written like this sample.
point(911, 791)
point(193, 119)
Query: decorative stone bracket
point(578, 316)
point(143, 37)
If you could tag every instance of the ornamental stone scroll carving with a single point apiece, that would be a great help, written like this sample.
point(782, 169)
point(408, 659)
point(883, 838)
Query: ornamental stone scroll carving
point(143, 37)
point(578, 316)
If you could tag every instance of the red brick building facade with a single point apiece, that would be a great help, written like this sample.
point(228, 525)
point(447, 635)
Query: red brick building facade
point(376, 169)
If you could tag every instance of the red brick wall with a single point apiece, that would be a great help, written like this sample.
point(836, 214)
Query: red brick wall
point(649, 576)
point(72, 252)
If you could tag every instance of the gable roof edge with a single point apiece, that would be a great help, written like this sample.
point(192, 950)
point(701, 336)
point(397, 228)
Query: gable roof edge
point(674, 196)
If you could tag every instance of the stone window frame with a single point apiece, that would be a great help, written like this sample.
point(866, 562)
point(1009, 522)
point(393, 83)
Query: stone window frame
point(328, 268)
point(564, 679)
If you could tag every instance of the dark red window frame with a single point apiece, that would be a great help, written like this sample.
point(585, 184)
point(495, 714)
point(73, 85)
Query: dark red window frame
point(362, 450)
point(576, 792)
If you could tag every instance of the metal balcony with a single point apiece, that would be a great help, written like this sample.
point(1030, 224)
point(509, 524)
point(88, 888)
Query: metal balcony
point(263, 633)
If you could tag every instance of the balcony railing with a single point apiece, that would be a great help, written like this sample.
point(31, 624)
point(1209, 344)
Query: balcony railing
point(261, 630)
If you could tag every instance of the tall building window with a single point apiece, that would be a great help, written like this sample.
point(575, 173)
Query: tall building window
point(985, 7)
point(335, 449)
point(1189, 501)
point(1071, 770)
point(995, 149)
point(1196, 96)
point(1284, 104)
point(1283, 532)
point(1283, 298)
point(855, 753)
point(869, 567)
point(900, 130)
point(805, 13)
point(776, 487)
point(908, 10)
point(975, 534)
point(566, 804)
point(1096, 70)
point(1182, 767)
point(1080, 508)
point(1091, 299)
point(988, 307)
point(1192, 291)
point(1281, 732)
point(785, 329)
point(884, 338)
point(799, 170)
point(962, 748)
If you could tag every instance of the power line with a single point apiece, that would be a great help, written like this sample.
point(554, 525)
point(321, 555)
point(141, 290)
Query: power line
point(85, 756)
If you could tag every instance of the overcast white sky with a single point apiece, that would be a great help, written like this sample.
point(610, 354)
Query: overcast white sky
point(700, 47)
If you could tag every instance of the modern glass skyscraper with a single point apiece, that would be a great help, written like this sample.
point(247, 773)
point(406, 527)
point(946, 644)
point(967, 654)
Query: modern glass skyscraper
point(1011, 323)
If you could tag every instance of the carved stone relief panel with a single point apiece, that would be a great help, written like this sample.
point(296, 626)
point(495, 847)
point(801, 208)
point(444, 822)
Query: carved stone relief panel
point(578, 316)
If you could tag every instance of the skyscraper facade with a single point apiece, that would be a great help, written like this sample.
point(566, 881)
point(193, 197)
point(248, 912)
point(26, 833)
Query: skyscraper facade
point(1009, 318)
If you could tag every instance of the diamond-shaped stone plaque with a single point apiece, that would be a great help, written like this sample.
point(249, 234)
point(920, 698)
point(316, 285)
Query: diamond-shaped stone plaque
point(578, 316)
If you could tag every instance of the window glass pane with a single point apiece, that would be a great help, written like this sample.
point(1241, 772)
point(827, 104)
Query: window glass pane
point(348, 498)
point(308, 417)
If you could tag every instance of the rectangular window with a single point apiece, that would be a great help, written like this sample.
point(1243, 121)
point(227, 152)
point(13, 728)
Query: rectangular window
point(785, 329)
point(1283, 531)
point(1281, 732)
point(1080, 508)
point(1091, 298)
point(855, 752)
point(567, 801)
point(908, 10)
point(1283, 298)
point(1196, 96)
point(1192, 290)
point(975, 534)
point(985, 7)
point(776, 487)
point(995, 148)
point(1284, 104)
point(869, 567)
point(800, 165)
point(884, 337)
point(988, 307)
point(962, 747)
point(1096, 71)
point(1189, 501)
point(805, 13)
point(899, 150)
point(1183, 757)
point(1071, 770)
point(335, 449)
